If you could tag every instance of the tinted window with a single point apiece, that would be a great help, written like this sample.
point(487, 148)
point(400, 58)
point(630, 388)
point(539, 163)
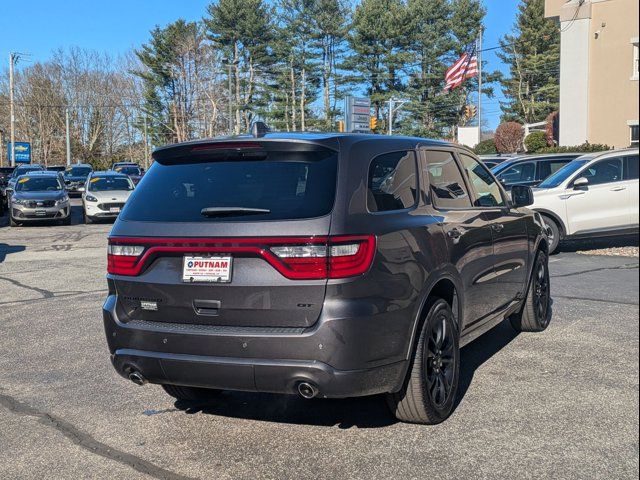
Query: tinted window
point(486, 188)
point(521, 172)
point(102, 184)
point(547, 168)
point(604, 171)
point(392, 182)
point(563, 174)
point(22, 170)
point(128, 170)
point(78, 171)
point(290, 185)
point(38, 184)
point(631, 167)
point(446, 184)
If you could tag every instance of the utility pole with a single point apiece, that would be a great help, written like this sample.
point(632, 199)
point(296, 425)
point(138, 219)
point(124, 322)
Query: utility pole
point(146, 142)
point(66, 114)
point(480, 86)
point(1, 147)
point(230, 64)
point(12, 156)
point(392, 109)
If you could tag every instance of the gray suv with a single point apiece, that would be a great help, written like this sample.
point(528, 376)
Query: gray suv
point(329, 265)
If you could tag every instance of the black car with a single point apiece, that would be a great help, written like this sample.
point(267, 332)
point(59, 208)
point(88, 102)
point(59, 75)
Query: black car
point(531, 170)
point(5, 174)
point(75, 177)
point(328, 265)
point(132, 170)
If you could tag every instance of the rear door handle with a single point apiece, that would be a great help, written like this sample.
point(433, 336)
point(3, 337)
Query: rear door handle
point(206, 307)
point(618, 189)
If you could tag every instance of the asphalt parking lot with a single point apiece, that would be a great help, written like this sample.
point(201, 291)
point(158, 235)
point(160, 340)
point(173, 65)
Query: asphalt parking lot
point(561, 404)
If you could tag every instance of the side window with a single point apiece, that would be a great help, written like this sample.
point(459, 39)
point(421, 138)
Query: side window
point(446, 184)
point(522, 172)
point(393, 182)
point(485, 186)
point(631, 167)
point(605, 171)
point(549, 167)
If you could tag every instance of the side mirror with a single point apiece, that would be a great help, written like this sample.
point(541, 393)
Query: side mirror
point(521, 196)
point(581, 183)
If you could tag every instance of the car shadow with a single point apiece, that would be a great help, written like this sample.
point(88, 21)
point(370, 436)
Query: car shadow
point(6, 249)
point(585, 245)
point(361, 412)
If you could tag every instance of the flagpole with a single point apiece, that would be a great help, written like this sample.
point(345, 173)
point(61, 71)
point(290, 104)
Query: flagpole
point(480, 85)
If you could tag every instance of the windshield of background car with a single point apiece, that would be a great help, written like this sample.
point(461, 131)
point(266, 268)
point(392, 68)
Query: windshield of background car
point(38, 184)
point(127, 170)
point(106, 184)
point(22, 170)
point(563, 174)
point(290, 185)
point(78, 172)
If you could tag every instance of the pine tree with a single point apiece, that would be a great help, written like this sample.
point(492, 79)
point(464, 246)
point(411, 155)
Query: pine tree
point(532, 53)
point(242, 30)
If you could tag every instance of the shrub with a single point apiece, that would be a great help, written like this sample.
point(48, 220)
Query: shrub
point(535, 142)
point(586, 147)
point(485, 147)
point(508, 137)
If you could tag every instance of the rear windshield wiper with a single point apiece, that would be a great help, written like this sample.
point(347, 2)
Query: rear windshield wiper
point(222, 211)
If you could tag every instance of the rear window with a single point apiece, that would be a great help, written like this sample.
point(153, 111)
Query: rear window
point(392, 182)
point(277, 186)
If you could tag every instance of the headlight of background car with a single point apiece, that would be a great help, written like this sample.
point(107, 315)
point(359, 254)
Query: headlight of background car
point(90, 198)
point(17, 201)
point(62, 200)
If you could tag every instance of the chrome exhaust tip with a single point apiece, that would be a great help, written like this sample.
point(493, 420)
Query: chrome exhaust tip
point(307, 390)
point(137, 378)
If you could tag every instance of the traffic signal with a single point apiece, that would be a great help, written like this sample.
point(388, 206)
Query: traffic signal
point(470, 111)
point(373, 123)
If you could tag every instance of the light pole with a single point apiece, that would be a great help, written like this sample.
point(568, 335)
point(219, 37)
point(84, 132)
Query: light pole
point(1, 147)
point(13, 57)
point(392, 109)
point(230, 64)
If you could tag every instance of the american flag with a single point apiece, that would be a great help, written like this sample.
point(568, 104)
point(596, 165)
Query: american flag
point(465, 67)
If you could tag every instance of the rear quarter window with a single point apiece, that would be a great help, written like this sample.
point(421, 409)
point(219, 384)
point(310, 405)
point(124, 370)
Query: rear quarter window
point(289, 185)
point(392, 182)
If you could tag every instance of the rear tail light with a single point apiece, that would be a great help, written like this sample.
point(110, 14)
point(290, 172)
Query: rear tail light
point(298, 258)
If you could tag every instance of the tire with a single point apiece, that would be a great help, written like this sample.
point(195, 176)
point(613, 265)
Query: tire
point(429, 392)
point(192, 394)
point(87, 219)
point(556, 234)
point(535, 315)
point(12, 222)
point(67, 221)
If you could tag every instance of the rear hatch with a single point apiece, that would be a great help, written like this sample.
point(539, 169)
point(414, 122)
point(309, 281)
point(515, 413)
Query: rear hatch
point(227, 234)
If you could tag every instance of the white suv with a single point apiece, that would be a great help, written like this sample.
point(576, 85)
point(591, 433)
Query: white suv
point(593, 195)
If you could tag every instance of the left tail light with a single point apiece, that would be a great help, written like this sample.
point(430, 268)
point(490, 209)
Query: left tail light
point(296, 258)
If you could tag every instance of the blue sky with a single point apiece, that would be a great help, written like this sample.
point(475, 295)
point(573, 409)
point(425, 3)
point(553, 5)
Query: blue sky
point(115, 26)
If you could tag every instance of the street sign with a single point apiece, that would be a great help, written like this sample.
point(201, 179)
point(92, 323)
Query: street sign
point(22, 151)
point(357, 111)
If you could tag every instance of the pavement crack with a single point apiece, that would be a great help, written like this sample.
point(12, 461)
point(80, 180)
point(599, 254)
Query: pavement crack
point(41, 291)
point(87, 442)
point(55, 295)
point(628, 266)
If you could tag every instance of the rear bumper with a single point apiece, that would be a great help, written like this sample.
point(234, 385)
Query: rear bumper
point(333, 356)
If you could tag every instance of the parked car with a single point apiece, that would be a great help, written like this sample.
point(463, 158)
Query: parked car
point(39, 195)
point(594, 195)
point(129, 168)
point(104, 195)
point(251, 264)
point(5, 173)
point(17, 172)
point(57, 168)
point(531, 170)
point(75, 177)
point(491, 161)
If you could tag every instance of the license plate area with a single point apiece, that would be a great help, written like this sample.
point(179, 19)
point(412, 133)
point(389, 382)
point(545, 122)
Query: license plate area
point(208, 269)
point(114, 210)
